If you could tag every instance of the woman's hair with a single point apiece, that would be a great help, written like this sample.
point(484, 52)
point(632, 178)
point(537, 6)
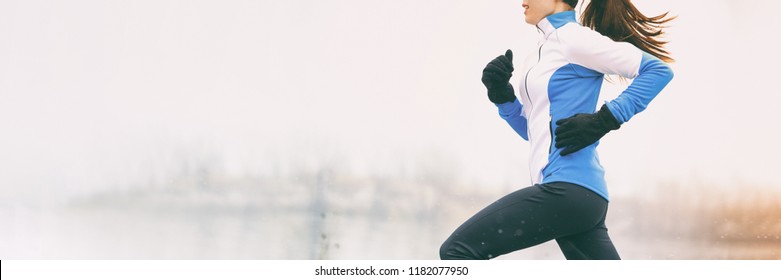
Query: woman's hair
point(621, 21)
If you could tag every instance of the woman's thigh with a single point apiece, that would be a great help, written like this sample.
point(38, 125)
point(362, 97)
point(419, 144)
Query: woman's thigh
point(525, 218)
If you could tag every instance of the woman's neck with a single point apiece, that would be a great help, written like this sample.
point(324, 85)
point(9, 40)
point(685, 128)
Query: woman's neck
point(561, 7)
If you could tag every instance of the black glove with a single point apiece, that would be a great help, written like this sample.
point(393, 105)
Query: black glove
point(496, 78)
point(581, 130)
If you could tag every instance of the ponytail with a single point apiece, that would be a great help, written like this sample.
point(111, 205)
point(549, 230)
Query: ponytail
point(621, 21)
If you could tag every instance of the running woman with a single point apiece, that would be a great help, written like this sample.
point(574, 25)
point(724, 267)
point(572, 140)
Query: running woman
point(557, 114)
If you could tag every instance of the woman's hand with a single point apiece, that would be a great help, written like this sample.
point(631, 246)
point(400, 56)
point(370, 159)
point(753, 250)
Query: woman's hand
point(496, 78)
point(581, 130)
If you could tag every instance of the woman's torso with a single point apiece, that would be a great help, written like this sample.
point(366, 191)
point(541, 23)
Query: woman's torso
point(553, 88)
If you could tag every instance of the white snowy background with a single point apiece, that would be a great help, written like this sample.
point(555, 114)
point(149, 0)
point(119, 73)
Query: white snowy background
point(354, 129)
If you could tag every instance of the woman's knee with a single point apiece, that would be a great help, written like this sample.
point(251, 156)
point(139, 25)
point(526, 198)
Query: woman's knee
point(443, 251)
point(456, 250)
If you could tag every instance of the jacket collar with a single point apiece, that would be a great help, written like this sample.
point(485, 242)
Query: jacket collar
point(552, 22)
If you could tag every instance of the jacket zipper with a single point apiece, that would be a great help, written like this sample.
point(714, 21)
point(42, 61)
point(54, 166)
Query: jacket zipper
point(526, 79)
point(526, 83)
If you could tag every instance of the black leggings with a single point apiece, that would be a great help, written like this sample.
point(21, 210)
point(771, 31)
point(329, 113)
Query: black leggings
point(571, 214)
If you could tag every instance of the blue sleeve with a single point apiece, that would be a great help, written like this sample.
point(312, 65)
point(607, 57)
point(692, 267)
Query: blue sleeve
point(512, 113)
point(652, 77)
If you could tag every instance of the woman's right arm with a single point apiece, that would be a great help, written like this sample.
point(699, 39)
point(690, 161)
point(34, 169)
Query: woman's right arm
point(496, 78)
point(512, 112)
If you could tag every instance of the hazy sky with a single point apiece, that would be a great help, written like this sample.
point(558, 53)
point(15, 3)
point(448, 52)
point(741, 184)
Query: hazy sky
point(103, 94)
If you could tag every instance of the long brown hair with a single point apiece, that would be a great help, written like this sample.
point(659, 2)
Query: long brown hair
point(621, 21)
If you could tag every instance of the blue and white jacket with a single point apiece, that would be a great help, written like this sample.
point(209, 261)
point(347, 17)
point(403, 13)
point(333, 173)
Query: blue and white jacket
point(564, 78)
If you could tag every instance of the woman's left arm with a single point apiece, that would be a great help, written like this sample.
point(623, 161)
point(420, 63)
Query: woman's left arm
point(590, 49)
point(653, 76)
